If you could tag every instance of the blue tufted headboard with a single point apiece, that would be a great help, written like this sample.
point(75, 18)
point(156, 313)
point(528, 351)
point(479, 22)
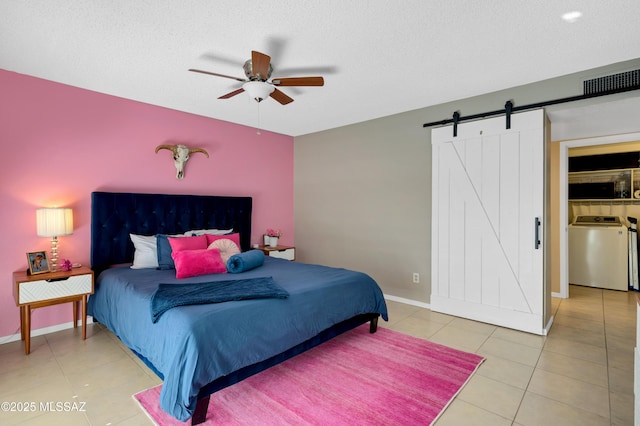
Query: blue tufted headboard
point(114, 215)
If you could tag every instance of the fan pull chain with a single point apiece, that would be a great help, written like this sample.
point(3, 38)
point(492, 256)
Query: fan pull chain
point(259, 120)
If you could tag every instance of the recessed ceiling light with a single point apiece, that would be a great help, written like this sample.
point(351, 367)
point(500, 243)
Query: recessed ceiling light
point(572, 17)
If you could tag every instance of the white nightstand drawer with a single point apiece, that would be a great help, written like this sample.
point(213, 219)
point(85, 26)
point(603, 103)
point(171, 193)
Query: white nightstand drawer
point(288, 254)
point(34, 291)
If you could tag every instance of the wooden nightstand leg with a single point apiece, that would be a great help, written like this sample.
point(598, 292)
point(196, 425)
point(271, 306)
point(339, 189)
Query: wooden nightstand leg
point(84, 316)
point(27, 329)
point(22, 323)
point(74, 304)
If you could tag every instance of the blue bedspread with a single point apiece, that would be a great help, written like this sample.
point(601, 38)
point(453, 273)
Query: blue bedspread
point(169, 296)
point(195, 344)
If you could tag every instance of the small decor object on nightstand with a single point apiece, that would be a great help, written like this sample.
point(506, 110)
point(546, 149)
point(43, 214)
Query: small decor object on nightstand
point(65, 265)
point(38, 262)
point(273, 234)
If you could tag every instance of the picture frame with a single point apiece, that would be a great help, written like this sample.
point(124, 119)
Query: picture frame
point(38, 262)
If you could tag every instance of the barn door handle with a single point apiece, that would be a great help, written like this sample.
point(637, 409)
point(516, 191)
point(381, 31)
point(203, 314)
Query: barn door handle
point(537, 237)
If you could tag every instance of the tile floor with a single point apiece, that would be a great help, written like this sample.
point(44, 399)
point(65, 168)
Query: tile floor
point(581, 374)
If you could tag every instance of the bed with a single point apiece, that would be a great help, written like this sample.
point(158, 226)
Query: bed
point(200, 348)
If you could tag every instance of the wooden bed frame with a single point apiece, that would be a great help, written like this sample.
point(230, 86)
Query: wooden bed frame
point(115, 215)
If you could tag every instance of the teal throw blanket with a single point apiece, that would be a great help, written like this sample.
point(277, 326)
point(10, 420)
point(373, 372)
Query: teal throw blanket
point(169, 296)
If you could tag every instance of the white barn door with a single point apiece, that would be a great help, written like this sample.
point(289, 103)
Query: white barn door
point(487, 214)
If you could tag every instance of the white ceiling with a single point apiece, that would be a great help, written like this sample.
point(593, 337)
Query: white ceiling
point(378, 57)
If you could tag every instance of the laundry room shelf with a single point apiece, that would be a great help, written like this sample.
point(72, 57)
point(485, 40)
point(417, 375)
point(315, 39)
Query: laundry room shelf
point(600, 185)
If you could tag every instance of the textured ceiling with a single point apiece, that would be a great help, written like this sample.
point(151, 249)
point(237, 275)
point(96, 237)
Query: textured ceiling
point(378, 57)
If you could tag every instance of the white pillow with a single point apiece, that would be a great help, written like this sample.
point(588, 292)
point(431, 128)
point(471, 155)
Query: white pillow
point(146, 251)
point(208, 231)
point(227, 248)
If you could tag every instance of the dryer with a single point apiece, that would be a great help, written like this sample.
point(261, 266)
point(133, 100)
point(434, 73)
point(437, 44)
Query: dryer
point(599, 252)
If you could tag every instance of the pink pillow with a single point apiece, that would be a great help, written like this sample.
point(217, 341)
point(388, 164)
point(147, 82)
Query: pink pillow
point(188, 243)
point(233, 237)
point(191, 263)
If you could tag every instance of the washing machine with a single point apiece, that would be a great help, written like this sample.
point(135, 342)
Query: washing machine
point(599, 252)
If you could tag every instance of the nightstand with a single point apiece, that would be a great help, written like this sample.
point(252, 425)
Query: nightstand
point(51, 288)
point(281, 252)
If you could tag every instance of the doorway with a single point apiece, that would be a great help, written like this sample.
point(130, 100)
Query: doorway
point(564, 199)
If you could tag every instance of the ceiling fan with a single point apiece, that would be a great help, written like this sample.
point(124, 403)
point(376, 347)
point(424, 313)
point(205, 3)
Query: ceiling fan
point(258, 70)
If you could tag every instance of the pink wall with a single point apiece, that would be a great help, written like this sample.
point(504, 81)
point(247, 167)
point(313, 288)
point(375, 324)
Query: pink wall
point(60, 143)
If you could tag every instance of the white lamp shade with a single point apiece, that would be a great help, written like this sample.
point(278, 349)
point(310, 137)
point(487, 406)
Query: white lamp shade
point(54, 222)
point(258, 90)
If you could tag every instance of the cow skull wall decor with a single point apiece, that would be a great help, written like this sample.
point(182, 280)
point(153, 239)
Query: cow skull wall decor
point(180, 156)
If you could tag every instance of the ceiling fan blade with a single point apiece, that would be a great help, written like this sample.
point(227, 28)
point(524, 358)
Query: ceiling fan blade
point(230, 94)
point(218, 75)
point(260, 65)
point(280, 97)
point(298, 81)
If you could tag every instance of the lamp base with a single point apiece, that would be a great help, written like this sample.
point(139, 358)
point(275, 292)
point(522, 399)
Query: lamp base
point(53, 262)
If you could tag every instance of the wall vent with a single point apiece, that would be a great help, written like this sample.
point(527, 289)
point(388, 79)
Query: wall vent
point(623, 80)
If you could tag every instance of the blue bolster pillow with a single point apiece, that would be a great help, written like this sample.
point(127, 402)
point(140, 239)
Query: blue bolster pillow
point(245, 261)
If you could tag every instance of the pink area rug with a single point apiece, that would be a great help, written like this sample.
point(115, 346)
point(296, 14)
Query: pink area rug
point(386, 378)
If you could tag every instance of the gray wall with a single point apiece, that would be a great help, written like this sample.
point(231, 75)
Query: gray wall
point(362, 193)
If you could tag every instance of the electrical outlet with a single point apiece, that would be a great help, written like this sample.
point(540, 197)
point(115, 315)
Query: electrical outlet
point(416, 278)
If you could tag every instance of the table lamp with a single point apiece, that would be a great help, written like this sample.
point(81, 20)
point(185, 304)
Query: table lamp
point(54, 222)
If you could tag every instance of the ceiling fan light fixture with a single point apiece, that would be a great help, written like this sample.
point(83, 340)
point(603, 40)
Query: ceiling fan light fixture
point(258, 71)
point(258, 90)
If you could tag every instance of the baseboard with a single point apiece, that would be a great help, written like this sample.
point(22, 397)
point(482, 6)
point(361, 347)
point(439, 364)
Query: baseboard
point(43, 330)
point(407, 301)
point(547, 328)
